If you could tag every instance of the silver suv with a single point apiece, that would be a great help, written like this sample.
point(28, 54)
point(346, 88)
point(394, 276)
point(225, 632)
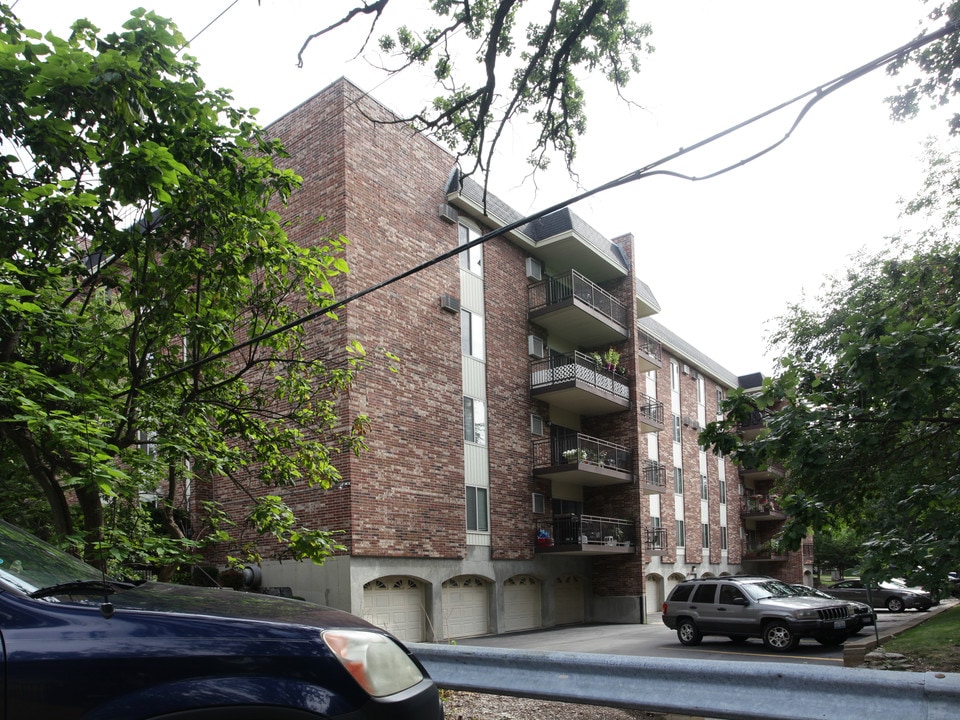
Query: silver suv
point(746, 606)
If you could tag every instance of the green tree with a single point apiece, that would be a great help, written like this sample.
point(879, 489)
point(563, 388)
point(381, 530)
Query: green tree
point(532, 60)
point(863, 415)
point(837, 548)
point(138, 236)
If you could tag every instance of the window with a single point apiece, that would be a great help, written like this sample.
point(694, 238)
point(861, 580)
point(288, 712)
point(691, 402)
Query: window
point(474, 421)
point(471, 334)
point(729, 593)
point(472, 259)
point(723, 491)
point(701, 391)
point(536, 425)
point(703, 487)
point(706, 593)
point(705, 530)
point(678, 480)
point(676, 428)
point(478, 509)
point(674, 376)
point(723, 537)
point(719, 401)
point(681, 535)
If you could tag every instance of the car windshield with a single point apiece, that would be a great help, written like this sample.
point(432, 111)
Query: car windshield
point(28, 564)
point(768, 589)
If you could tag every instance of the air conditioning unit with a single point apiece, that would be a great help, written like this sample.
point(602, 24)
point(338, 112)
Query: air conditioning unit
point(448, 213)
point(534, 269)
point(686, 369)
point(536, 347)
point(449, 303)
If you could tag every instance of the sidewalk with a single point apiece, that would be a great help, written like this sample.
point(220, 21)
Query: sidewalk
point(854, 651)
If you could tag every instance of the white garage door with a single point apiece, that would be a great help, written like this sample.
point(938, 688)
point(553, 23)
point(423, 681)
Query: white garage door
point(521, 603)
point(569, 600)
point(395, 604)
point(655, 597)
point(466, 607)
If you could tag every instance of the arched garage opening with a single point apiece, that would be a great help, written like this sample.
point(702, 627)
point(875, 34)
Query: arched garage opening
point(521, 603)
point(466, 606)
point(396, 603)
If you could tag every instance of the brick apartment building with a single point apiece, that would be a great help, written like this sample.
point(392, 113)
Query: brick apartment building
point(513, 479)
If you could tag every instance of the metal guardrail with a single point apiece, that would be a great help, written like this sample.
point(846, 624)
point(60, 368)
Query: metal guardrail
point(714, 689)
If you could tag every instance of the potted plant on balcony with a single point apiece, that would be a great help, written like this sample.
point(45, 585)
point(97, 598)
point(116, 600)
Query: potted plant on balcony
point(544, 539)
point(608, 360)
point(574, 455)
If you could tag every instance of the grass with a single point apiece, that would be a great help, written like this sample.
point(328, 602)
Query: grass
point(933, 645)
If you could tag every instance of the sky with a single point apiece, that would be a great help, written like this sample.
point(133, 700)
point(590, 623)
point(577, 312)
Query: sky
point(724, 257)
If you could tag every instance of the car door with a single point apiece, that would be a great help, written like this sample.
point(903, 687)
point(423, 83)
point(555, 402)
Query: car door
point(703, 605)
point(733, 611)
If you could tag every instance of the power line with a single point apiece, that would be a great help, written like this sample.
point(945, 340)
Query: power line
point(209, 24)
point(815, 95)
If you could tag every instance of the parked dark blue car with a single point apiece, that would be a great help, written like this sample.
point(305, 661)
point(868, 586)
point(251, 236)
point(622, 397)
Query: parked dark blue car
point(78, 645)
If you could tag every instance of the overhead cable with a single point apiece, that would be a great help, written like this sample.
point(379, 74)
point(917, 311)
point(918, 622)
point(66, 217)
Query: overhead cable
point(814, 96)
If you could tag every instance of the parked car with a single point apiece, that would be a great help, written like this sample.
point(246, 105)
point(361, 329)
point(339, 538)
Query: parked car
point(893, 595)
point(867, 614)
point(742, 607)
point(77, 644)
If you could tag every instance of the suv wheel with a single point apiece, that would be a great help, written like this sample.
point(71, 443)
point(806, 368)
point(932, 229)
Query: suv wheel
point(687, 632)
point(895, 604)
point(831, 640)
point(778, 636)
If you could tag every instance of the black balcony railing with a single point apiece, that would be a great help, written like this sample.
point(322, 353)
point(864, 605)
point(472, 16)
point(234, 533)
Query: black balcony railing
point(649, 346)
point(586, 532)
point(579, 367)
point(573, 285)
point(650, 408)
point(580, 449)
point(655, 540)
point(653, 474)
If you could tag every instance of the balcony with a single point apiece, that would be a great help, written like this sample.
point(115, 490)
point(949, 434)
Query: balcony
point(750, 428)
point(649, 352)
point(655, 541)
point(585, 535)
point(760, 508)
point(583, 460)
point(575, 382)
point(762, 552)
point(572, 306)
point(649, 413)
point(653, 477)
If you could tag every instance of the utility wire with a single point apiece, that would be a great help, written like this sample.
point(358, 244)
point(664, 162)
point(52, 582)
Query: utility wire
point(815, 95)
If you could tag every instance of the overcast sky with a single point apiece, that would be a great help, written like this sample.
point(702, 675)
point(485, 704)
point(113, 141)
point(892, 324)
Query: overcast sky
point(723, 256)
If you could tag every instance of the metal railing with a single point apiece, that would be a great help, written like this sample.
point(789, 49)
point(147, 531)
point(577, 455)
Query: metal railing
point(711, 688)
point(561, 288)
point(580, 449)
point(654, 474)
point(586, 530)
point(578, 366)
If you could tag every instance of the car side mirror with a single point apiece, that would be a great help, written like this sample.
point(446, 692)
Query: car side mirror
point(740, 601)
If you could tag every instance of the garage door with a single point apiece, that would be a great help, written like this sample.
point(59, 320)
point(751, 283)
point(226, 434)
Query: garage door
point(466, 607)
point(395, 604)
point(569, 600)
point(655, 597)
point(521, 603)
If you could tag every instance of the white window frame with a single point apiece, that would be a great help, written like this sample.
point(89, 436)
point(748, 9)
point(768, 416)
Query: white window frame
point(474, 420)
point(472, 341)
point(471, 260)
point(477, 503)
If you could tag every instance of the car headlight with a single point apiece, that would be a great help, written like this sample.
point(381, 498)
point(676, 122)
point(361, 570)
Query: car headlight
point(807, 614)
point(375, 661)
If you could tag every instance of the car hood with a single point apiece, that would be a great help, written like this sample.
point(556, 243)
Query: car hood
point(800, 602)
point(220, 602)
